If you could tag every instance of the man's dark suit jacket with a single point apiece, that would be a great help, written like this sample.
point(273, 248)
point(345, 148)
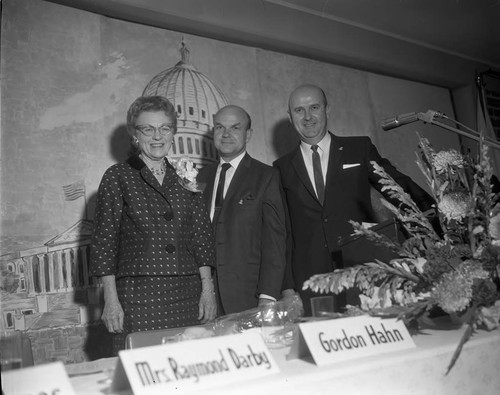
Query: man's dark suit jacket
point(316, 229)
point(250, 234)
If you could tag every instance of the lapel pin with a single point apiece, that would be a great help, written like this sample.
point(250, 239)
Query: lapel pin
point(241, 201)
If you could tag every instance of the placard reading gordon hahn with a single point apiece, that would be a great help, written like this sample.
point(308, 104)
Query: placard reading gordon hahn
point(194, 365)
point(349, 338)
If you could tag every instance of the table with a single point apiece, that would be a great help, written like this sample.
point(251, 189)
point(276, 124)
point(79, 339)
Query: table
point(417, 371)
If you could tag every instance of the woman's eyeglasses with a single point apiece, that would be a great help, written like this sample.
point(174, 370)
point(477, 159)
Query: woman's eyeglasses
point(149, 130)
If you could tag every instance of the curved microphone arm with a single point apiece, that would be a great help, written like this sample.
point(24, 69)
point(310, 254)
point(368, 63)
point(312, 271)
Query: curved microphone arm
point(430, 117)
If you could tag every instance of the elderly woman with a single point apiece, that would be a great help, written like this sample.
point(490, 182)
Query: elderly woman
point(152, 243)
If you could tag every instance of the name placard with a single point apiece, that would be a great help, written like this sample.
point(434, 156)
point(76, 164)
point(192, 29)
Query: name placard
point(49, 379)
point(350, 338)
point(193, 365)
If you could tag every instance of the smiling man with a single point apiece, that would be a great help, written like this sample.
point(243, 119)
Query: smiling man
point(245, 200)
point(326, 180)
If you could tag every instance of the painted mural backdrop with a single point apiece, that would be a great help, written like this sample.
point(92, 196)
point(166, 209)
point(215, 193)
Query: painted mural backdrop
point(46, 290)
point(68, 77)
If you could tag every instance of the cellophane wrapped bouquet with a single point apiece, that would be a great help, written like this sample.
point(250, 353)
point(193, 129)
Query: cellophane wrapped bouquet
point(276, 322)
point(453, 267)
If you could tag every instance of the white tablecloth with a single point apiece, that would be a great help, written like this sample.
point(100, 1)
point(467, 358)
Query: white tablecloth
point(417, 371)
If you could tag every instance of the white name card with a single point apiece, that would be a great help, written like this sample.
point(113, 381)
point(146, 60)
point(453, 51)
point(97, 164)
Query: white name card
point(193, 365)
point(49, 379)
point(350, 338)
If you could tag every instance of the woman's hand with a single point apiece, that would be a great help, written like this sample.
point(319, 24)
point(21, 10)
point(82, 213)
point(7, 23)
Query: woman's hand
point(112, 316)
point(207, 305)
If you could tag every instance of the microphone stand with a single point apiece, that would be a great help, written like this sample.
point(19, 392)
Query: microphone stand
point(430, 117)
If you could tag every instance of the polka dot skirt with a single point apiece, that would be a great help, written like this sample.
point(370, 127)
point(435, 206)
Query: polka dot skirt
point(151, 303)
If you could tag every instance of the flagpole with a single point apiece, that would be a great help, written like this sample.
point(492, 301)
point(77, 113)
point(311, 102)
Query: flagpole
point(86, 206)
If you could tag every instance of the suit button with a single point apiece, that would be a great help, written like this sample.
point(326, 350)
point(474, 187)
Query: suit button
point(325, 220)
point(170, 248)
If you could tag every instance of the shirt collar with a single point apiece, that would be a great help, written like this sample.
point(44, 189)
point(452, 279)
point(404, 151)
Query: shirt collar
point(324, 144)
point(235, 161)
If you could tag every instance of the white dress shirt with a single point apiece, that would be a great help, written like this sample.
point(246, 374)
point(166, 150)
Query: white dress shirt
point(323, 151)
point(229, 176)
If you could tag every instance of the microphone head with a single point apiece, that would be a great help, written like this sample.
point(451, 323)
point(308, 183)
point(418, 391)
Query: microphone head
point(400, 120)
point(389, 123)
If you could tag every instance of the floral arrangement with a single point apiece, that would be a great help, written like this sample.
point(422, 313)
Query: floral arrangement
point(453, 267)
point(187, 173)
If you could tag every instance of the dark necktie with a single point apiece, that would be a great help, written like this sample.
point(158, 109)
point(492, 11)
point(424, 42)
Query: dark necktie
point(219, 194)
point(318, 174)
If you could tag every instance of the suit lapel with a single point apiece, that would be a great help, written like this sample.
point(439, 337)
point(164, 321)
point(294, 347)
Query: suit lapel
point(334, 162)
point(300, 168)
point(209, 189)
point(168, 181)
point(334, 168)
point(237, 180)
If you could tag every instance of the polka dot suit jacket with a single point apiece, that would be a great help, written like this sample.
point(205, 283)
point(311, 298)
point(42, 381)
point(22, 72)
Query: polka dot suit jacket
point(143, 228)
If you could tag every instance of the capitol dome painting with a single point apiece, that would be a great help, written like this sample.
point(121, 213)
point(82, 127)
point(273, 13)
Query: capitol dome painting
point(196, 100)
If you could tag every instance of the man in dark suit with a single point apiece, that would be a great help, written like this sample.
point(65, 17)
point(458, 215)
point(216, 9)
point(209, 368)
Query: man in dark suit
point(248, 215)
point(326, 181)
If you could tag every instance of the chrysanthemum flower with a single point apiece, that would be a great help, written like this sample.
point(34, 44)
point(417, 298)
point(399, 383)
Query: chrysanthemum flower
point(453, 293)
point(448, 160)
point(454, 205)
point(472, 269)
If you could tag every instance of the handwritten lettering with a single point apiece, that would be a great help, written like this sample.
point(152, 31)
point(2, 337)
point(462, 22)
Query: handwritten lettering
point(195, 370)
point(150, 376)
point(341, 343)
point(202, 363)
point(249, 360)
point(384, 336)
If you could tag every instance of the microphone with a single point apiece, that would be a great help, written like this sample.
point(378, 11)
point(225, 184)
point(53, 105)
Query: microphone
point(399, 120)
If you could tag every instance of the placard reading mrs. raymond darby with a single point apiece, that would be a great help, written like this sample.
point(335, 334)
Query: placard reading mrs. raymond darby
point(194, 365)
